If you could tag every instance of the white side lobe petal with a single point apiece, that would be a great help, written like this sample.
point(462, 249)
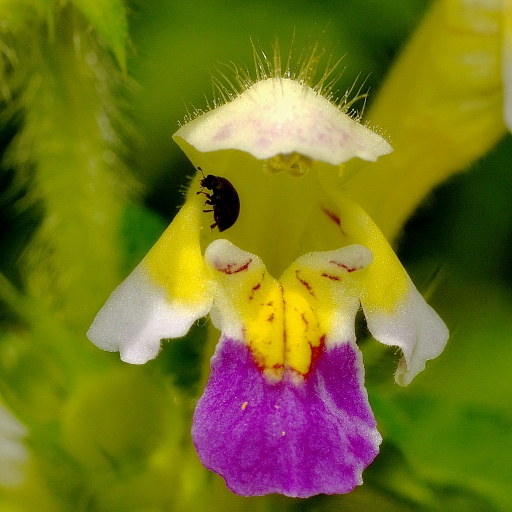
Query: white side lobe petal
point(415, 328)
point(137, 316)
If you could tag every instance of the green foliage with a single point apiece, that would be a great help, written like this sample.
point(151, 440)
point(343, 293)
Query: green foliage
point(105, 436)
point(108, 18)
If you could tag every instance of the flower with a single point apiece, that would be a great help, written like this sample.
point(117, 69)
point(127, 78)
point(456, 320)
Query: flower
point(285, 409)
point(444, 103)
point(503, 11)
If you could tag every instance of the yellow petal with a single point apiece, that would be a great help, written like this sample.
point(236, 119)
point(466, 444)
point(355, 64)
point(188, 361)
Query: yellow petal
point(161, 298)
point(395, 311)
point(175, 262)
point(285, 322)
point(441, 105)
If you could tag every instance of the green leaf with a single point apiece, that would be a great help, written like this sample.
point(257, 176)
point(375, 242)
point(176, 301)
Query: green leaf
point(15, 14)
point(108, 17)
point(454, 423)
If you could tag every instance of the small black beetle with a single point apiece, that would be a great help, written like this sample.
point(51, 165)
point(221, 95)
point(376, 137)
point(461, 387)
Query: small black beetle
point(224, 199)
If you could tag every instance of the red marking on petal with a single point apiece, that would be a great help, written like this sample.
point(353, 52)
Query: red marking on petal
point(316, 352)
point(330, 276)
point(254, 290)
point(335, 218)
point(332, 216)
point(233, 268)
point(256, 287)
point(305, 283)
point(346, 267)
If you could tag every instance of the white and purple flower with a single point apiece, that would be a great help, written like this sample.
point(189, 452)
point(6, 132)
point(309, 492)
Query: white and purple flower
point(285, 409)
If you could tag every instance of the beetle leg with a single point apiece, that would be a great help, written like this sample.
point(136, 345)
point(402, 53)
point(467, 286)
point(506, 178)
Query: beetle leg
point(209, 196)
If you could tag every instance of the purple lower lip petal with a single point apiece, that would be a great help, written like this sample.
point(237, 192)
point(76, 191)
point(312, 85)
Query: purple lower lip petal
point(297, 437)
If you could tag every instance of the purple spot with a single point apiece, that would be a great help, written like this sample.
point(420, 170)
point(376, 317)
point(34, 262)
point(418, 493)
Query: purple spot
point(225, 132)
point(298, 439)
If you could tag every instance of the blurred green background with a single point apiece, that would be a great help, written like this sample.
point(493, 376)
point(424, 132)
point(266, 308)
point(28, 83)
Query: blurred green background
point(101, 435)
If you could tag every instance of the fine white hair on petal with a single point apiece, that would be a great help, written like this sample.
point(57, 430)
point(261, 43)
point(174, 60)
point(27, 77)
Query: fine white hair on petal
point(280, 116)
point(415, 328)
point(138, 315)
